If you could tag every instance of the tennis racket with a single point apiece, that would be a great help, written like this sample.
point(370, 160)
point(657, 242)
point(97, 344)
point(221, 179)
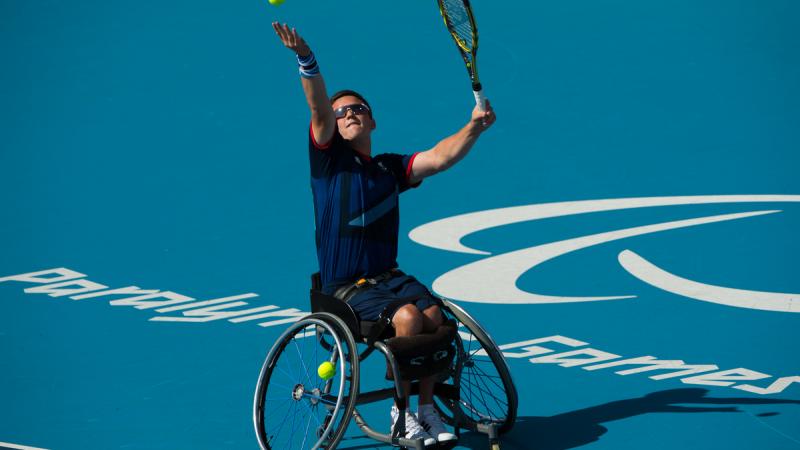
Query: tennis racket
point(460, 23)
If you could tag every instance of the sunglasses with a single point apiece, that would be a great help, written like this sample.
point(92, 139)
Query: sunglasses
point(357, 108)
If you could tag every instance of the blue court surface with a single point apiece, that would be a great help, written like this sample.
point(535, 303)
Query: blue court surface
point(626, 232)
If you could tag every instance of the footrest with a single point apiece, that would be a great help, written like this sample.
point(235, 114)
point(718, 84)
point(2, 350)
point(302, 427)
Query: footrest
point(416, 444)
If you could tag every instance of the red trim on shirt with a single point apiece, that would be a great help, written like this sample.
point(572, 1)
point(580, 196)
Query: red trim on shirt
point(314, 141)
point(408, 171)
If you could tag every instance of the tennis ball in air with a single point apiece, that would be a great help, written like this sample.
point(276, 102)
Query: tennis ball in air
point(326, 370)
point(275, 2)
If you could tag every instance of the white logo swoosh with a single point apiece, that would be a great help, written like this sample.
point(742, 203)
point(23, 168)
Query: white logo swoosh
point(660, 278)
point(493, 279)
point(446, 234)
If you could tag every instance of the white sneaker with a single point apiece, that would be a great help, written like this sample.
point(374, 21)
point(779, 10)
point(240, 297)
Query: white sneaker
point(413, 428)
point(432, 423)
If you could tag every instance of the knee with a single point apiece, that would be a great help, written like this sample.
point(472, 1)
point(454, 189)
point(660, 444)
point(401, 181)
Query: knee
point(408, 321)
point(434, 317)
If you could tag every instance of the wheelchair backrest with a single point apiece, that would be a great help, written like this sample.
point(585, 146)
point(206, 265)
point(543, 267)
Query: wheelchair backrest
point(321, 302)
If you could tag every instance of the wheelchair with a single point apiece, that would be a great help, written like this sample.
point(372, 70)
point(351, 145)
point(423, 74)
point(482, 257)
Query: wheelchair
point(297, 407)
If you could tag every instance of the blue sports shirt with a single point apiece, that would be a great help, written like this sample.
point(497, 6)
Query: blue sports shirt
point(356, 210)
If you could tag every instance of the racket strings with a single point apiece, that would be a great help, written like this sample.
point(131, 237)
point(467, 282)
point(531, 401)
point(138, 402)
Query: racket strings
point(459, 22)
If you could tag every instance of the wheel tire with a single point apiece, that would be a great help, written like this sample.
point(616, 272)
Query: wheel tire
point(469, 368)
point(289, 392)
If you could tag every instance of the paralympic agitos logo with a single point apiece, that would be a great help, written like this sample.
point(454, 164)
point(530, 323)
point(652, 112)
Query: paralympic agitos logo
point(493, 279)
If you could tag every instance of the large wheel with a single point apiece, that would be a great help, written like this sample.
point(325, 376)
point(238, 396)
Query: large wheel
point(293, 406)
point(487, 392)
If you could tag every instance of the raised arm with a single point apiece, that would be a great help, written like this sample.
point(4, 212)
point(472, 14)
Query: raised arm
point(452, 149)
point(323, 122)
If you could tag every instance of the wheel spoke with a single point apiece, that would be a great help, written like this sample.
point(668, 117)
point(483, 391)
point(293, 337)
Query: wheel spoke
point(486, 405)
point(499, 384)
point(275, 408)
point(302, 363)
point(294, 404)
point(478, 411)
point(487, 392)
point(280, 428)
point(468, 380)
point(490, 378)
point(294, 426)
point(286, 374)
point(481, 392)
point(280, 386)
point(305, 434)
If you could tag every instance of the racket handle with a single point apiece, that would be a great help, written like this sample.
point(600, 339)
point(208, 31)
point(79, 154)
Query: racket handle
point(480, 99)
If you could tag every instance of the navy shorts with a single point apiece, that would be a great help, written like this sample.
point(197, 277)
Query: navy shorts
point(370, 302)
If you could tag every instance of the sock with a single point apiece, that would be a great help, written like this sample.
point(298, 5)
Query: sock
point(424, 409)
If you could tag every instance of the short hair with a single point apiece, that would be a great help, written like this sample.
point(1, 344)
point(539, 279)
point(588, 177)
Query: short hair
point(346, 92)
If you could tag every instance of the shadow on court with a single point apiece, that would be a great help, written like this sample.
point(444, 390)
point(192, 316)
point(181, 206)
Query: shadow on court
point(577, 428)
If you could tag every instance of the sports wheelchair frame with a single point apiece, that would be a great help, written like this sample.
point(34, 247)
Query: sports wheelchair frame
point(294, 404)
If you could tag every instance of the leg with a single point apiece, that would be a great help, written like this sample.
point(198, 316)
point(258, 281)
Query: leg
point(426, 414)
point(426, 390)
point(407, 321)
point(431, 318)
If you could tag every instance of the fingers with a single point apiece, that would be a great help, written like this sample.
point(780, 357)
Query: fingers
point(487, 116)
point(288, 36)
point(279, 30)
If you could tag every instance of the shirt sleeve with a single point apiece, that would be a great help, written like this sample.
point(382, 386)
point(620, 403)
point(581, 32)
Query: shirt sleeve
point(321, 156)
point(400, 166)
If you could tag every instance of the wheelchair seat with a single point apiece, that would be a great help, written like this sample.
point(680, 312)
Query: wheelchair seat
point(321, 302)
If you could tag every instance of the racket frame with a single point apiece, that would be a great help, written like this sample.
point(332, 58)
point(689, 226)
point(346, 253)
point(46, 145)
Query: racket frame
point(468, 53)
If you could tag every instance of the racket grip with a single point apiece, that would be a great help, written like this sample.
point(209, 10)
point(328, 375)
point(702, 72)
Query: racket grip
point(480, 99)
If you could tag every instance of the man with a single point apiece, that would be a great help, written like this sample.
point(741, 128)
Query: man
point(357, 215)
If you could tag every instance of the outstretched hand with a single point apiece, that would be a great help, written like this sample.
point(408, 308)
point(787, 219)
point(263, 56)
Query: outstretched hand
point(483, 118)
point(291, 39)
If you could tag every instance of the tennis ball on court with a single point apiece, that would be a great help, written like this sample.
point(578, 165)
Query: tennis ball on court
point(275, 2)
point(326, 370)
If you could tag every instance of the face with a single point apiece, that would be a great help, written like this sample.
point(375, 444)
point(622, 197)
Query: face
point(353, 125)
